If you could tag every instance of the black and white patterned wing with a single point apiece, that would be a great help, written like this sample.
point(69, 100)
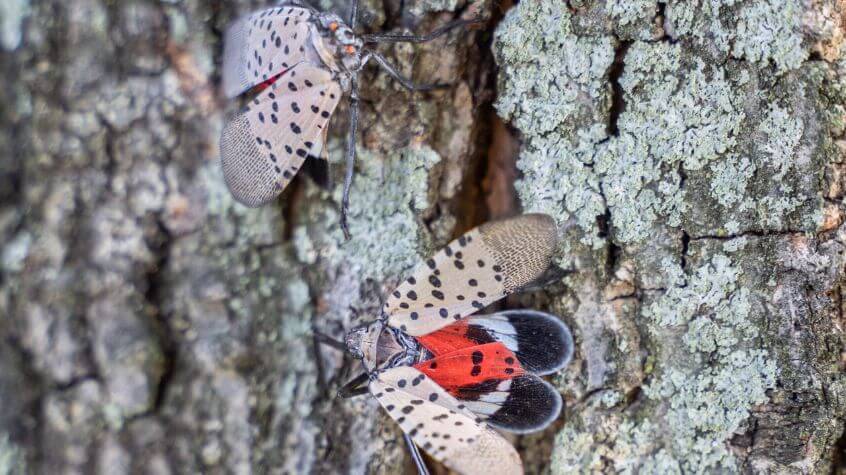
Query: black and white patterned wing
point(442, 426)
point(263, 147)
point(261, 45)
point(477, 269)
point(541, 341)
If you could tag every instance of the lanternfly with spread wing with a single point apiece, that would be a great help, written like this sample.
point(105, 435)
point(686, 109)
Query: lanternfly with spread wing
point(449, 377)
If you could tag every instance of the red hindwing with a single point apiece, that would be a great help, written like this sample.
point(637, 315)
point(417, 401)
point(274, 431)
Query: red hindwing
point(448, 339)
point(472, 365)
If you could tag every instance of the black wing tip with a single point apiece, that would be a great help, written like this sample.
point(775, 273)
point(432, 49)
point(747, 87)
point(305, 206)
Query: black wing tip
point(551, 330)
point(518, 416)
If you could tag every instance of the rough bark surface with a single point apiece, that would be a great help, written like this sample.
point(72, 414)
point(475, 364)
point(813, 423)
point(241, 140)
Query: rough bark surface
point(691, 152)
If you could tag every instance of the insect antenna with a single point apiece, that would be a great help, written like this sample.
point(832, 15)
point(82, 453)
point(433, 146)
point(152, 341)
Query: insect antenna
point(400, 38)
point(415, 455)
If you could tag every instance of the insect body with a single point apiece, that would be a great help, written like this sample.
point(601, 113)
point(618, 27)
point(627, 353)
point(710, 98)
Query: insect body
point(299, 62)
point(447, 376)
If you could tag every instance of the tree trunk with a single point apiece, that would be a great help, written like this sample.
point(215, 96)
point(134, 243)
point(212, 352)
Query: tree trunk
point(691, 153)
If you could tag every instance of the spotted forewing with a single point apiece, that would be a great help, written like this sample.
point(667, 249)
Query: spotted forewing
point(477, 269)
point(261, 45)
point(263, 147)
point(441, 425)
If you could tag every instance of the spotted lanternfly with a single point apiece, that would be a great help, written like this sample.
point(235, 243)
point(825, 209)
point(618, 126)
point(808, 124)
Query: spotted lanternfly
point(298, 62)
point(447, 376)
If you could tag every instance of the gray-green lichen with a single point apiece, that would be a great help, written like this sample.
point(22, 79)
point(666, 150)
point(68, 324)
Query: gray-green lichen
point(710, 134)
point(695, 394)
point(12, 15)
point(707, 404)
point(684, 116)
point(761, 31)
point(770, 31)
point(549, 83)
point(12, 460)
point(425, 6)
point(388, 195)
point(673, 123)
point(784, 133)
point(639, 14)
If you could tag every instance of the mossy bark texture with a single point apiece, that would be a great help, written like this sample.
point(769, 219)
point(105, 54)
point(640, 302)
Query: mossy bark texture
point(691, 152)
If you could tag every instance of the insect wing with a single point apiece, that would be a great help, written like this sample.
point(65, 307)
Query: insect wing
point(472, 272)
point(441, 426)
point(263, 147)
point(540, 341)
point(522, 404)
point(471, 366)
point(490, 381)
point(259, 46)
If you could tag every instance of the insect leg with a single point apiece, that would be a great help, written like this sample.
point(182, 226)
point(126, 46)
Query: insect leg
point(318, 361)
point(354, 387)
point(329, 341)
point(415, 455)
point(399, 38)
point(345, 200)
point(353, 13)
point(405, 82)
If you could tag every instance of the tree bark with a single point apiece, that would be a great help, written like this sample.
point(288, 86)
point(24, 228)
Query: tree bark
point(691, 153)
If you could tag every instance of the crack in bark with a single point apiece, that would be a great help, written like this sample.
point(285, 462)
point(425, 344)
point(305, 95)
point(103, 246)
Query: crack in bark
point(618, 104)
point(749, 233)
point(155, 296)
point(838, 459)
point(685, 245)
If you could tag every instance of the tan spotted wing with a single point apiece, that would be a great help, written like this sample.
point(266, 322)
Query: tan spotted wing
point(477, 269)
point(259, 46)
point(264, 146)
point(442, 426)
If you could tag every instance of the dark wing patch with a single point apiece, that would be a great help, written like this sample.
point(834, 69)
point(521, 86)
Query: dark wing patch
point(522, 404)
point(542, 342)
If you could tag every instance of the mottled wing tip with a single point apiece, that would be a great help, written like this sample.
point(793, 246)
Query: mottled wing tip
point(234, 59)
point(248, 175)
point(523, 246)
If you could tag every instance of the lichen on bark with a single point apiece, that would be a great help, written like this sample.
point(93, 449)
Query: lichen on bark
point(156, 324)
point(692, 162)
point(691, 153)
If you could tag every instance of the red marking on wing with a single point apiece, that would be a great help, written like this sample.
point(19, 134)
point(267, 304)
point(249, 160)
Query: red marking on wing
point(267, 83)
point(447, 339)
point(472, 365)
